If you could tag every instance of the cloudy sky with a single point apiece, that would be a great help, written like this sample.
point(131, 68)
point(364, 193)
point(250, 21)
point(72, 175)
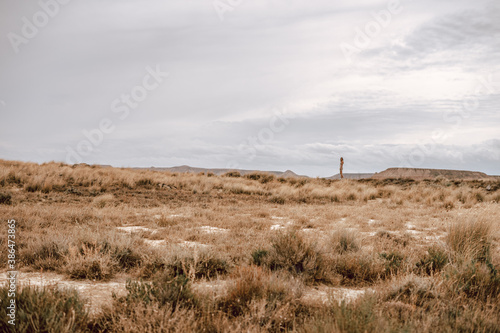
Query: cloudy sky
point(270, 85)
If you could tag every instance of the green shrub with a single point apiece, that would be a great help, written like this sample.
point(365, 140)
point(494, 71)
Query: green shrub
point(393, 261)
point(47, 309)
point(433, 262)
point(126, 258)
point(258, 256)
point(475, 279)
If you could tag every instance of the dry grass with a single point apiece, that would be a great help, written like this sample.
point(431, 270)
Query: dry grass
point(426, 252)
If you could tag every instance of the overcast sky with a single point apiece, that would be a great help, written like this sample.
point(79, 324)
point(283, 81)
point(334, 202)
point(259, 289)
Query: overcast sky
point(252, 84)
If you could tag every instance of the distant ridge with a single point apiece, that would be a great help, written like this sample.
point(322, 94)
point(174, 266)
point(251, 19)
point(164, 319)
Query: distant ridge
point(352, 176)
point(391, 173)
point(219, 172)
point(420, 174)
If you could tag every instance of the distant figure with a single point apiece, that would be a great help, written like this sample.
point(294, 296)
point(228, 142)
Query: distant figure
point(341, 167)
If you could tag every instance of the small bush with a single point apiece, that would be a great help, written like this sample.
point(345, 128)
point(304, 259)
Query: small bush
point(103, 200)
point(126, 258)
point(90, 263)
point(393, 261)
point(162, 291)
point(5, 199)
point(292, 253)
point(273, 296)
point(233, 174)
point(47, 309)
point(146, 182)
point(258, 256)
point(203, 265)
point(262, 177)
point(277, 200)
point(345, 240)
point(471, 238)
point(32, 187)
point(474, 279)
point(412, 290)
point(43, 255)
point(433, 262)
point(356, 268)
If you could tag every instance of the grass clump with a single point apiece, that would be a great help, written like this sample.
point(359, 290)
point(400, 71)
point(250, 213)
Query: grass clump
point(196, 265)
point(474, 279)
point(412, 290)
point(292, 253)
point(264, 178)
point(471, 238)
point(43, 255)
point(277, 200)
point(345, 240)
point(393, 261)
point(104, 200)
point(258, 256)
point(161, 291)
point(270, 299)
point(434, 261)
point(359, 268)
point(5, 199)
point(232, 174)
point(47, 309)
point(89, 263)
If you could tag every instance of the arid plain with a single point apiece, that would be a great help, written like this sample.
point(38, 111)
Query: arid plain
point(122, 250)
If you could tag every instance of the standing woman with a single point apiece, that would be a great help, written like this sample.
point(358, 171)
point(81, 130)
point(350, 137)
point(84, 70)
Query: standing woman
point(341, 167)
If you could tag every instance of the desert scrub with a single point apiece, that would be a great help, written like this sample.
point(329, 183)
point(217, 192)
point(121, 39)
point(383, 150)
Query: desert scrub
point(470, 238)
point(258, 256)
point(161, 291)
point(413, 290)
point(434, 261)
point(292, 253)
point(5, 199)
point(196, 265)
point(269, 297)
point(104, 200)
point(42, 254)
point(474, 279)
point(90, 263)
point(394, 261)
point(344, 240)
point(277, 200)
point(46, 309)
point(359, 268)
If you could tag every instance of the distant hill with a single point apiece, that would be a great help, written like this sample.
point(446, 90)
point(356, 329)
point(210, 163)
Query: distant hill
point(188, 169)
point(352, 176)
point(419, 174)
